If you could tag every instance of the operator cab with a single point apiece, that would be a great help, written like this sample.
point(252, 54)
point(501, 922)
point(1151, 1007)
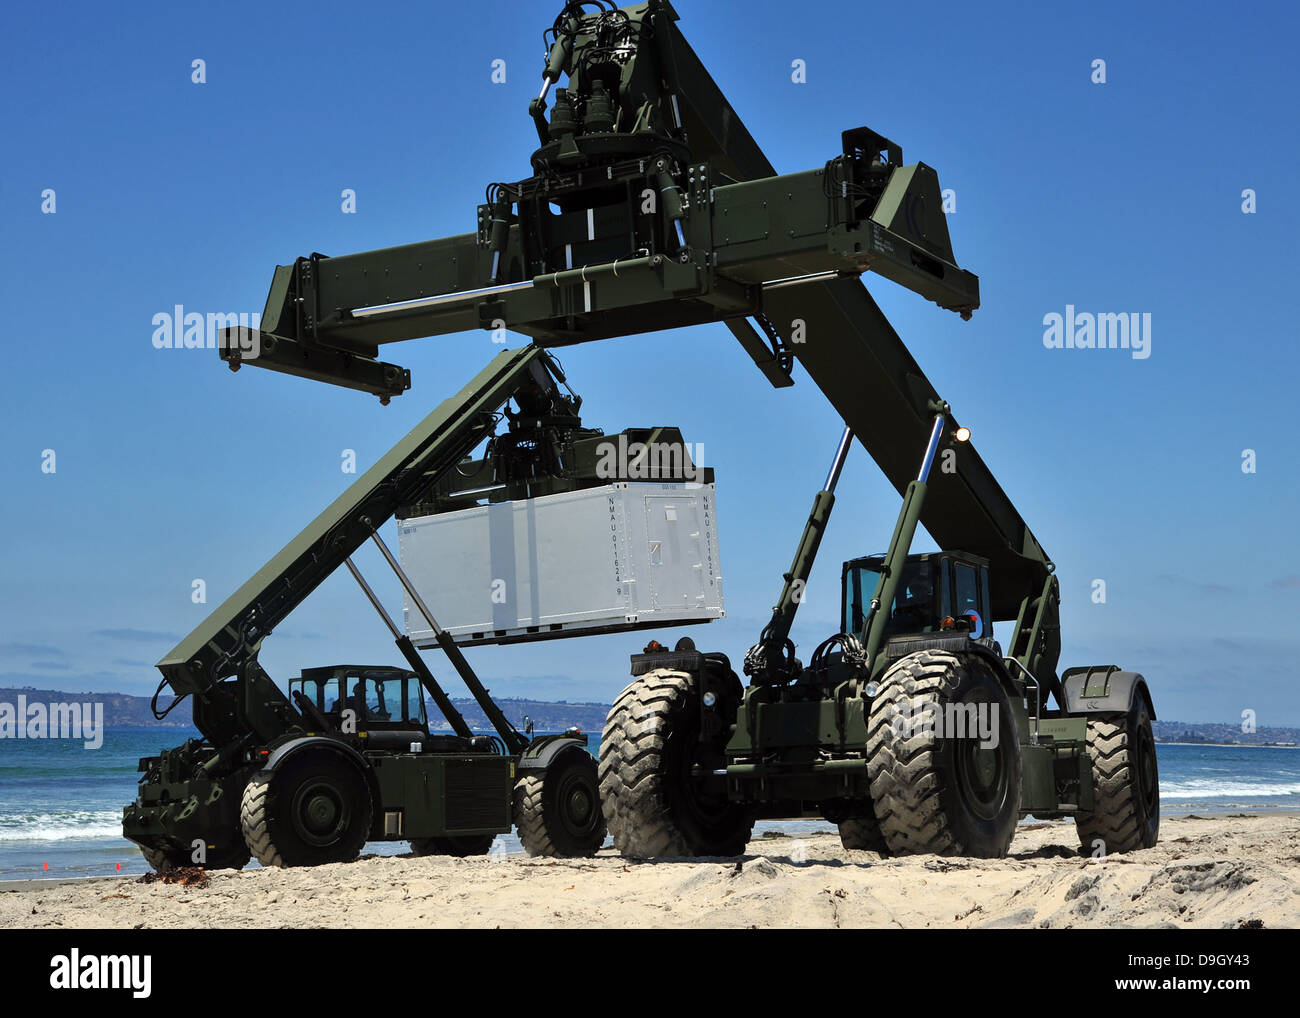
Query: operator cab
point(387, 704)
point(938, 593)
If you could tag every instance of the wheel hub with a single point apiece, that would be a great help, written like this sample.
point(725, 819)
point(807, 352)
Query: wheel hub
point(320, 814)
point(578, 809)
point(579, 805)
point(981, 778)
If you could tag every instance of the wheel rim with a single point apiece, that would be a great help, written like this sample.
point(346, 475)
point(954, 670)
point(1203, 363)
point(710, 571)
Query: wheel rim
point(578, 805)
point(320, 812)
point(982, 775)
point(578, 800)
point(1145, 774)
point(705, 809)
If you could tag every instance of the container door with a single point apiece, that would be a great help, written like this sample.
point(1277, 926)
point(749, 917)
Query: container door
point(675, 551)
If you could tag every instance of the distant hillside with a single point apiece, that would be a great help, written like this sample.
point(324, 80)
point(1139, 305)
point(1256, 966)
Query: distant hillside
point(547, 716)
point(122, 710)
point(1229, 734)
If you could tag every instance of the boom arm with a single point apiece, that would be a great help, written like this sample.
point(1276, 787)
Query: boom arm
point(867, 373)
point(651, 207)
point(226, 643)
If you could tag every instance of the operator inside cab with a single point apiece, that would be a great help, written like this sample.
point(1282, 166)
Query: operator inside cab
point(914, 602)
point(357, 703)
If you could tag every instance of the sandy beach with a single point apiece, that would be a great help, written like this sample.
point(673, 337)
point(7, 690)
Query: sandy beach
point(1206, 872)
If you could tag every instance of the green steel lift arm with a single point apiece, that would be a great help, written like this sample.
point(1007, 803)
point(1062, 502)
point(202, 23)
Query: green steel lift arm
point(226, 644)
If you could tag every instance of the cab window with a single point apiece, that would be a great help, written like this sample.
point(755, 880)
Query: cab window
point(968, 599)
point(860, 586)
point(967, 589)
point(323, 693)
point(378, 697)
point(389, 699)
point(913, 608)
point(415, 702)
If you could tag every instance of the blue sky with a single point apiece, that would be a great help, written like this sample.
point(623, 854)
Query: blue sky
point(1115, 197)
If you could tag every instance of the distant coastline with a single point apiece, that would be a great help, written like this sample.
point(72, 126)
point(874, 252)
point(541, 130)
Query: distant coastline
point(1230, 745)
point(125, 710)
point(1218, 733)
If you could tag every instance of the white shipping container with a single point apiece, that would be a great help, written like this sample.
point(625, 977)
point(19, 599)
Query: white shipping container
point(614, 558)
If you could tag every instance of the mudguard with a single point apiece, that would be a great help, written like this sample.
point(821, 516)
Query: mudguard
point(539, 755)
point(292, 746)
point(1104, 689)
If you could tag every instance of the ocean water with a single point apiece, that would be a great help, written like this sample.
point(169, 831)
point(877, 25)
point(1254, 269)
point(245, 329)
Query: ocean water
point(61, 804)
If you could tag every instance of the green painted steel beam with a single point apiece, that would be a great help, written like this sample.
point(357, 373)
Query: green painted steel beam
point(872, 380)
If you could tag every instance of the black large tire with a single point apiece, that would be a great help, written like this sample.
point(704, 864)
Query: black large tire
point(946, 796)
point(557, 811)
point(313, 809)
point(1125, 783)
point(460, 845)
point(863, 833)
point(163, 862)
point(653, 807)
point(233, 858)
